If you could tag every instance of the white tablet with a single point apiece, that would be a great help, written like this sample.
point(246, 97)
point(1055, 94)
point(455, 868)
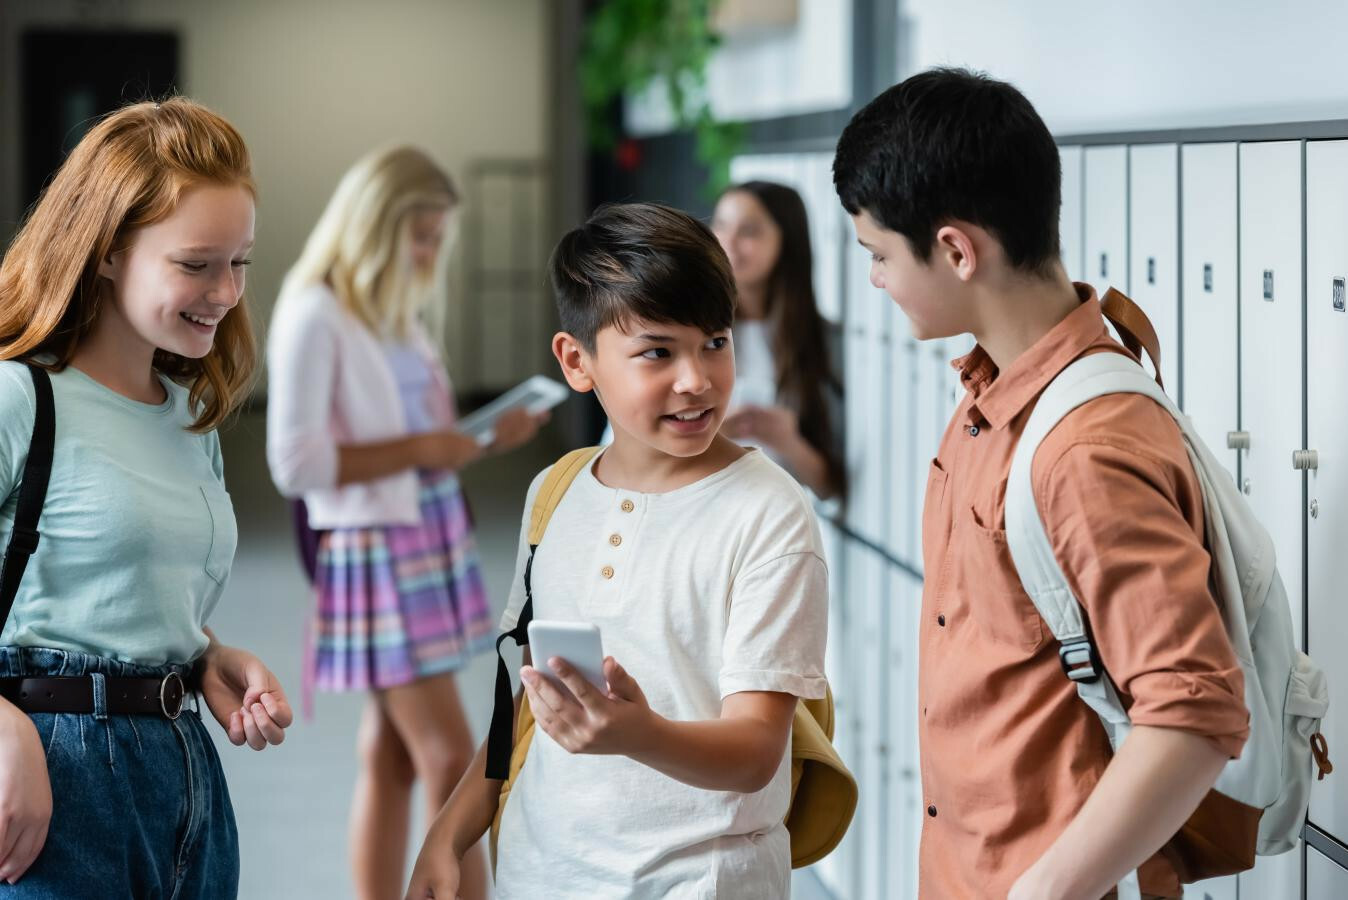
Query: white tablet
point(536, 395)
point(575, 642)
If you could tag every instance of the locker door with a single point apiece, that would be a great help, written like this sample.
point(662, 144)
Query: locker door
point(902, 454)
point(1209, 364)
point(1271, 350)
point(1106, 202)
point(1271, 311)
point(872, 614)
point(1153, 225)
point(1069, 219)
point(1327, 433)
point(905, 783)
point(1325, 879)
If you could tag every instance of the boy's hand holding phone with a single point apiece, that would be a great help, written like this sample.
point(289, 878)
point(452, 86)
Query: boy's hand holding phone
point(585, 719)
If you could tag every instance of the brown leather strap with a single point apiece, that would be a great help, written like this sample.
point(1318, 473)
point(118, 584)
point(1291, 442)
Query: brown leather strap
point(75, 694)
point(1134, 328)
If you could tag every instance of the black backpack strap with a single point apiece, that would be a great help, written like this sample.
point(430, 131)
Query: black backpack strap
point(32, 493)
point(501, 737)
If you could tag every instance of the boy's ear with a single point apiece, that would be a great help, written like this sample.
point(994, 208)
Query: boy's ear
point(573, 359)
point(955, 247)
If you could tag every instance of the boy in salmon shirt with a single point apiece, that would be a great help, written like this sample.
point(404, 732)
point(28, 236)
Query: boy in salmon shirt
point(954, 184)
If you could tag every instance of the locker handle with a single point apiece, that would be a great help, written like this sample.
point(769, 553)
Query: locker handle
point(1238, 440)
point(1305, 459)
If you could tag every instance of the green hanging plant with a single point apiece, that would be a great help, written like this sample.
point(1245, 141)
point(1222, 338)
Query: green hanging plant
point(630, 44)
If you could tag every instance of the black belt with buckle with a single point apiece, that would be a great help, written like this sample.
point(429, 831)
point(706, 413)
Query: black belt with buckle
point(75, 694)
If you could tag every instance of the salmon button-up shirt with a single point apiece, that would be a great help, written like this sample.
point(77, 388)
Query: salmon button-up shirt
point(1009, 751)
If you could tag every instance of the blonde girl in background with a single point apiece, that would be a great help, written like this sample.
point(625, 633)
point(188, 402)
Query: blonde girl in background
point(360, 424)
point(121, 314)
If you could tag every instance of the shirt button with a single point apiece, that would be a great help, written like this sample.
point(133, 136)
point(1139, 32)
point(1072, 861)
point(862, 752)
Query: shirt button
point(607, 571)
point(628, 506)
point(931, 811)
point(616, 540)
point(940, 620)
point(973, 431)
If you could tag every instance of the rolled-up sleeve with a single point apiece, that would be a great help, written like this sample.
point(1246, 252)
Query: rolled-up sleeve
point(1126, 522)
point(302, 369)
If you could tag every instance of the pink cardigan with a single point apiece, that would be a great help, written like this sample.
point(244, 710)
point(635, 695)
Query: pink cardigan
point(330, 384)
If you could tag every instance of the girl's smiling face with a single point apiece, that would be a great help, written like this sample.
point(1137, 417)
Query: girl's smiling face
point(180, 276)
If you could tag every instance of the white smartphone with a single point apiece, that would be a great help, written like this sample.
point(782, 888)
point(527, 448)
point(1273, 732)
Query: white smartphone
point(575, 642)
point(535, 395)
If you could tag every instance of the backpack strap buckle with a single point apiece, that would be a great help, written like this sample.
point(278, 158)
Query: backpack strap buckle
point(24, 540)
point(1081, 661)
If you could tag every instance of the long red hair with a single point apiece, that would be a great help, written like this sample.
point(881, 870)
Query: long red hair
point(128, 171)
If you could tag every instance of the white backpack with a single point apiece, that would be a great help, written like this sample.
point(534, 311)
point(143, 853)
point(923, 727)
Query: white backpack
point(1285, 692)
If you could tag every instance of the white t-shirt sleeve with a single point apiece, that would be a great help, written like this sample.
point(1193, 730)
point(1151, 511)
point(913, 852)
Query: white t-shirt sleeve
point(515, 605)
point(778, 628)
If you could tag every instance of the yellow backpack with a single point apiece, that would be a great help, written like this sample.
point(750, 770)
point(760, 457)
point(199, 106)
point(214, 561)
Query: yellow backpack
point(823, 791)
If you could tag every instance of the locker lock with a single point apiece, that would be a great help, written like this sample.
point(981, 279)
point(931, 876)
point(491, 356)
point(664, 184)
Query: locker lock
point(1305, 459)
point(1238, 440)
point(1245, 486)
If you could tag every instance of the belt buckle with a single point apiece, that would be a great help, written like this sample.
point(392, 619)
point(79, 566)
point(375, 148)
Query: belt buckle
point(168, 695)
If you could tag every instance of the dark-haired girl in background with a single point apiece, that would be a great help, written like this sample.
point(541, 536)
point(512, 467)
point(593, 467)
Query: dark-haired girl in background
point(786, 390)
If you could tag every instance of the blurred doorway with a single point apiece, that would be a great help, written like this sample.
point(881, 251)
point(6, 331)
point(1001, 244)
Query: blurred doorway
point(72, 76)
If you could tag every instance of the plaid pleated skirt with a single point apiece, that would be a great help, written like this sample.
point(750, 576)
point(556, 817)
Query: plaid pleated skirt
point(400, 602)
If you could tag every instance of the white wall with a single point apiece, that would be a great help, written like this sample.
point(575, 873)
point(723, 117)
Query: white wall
point(802, 69)
point(313, 84)
point(1094, 66)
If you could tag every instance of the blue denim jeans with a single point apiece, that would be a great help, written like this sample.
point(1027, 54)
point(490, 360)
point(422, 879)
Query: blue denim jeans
point(139, 803)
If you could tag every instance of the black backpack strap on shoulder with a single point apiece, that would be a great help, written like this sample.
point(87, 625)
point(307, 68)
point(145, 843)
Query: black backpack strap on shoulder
point(32, 493)
point(501, 737)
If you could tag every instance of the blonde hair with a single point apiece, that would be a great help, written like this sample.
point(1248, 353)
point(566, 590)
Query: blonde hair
point(356, 248)
point(127, 172)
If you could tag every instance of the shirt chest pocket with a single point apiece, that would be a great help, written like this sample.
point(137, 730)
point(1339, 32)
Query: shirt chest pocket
point(986, 580)
point(224, 535)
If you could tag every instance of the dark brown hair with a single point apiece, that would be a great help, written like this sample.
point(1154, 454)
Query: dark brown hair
point(645, 261)
point(804, 371)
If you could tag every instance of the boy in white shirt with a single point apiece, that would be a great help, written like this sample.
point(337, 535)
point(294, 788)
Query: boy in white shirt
point(702, 565)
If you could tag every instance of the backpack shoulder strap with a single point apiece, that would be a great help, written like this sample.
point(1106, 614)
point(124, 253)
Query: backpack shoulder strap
point(555, 484)
point(1133, 327)
point(1031, 550)
point(23, 540)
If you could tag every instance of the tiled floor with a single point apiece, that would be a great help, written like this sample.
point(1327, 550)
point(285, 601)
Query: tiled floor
point(291, 801)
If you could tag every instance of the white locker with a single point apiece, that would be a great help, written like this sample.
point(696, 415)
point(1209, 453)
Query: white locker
point(833, 869)
point(1153, 228)
point(1210, 361)
point(1212, 889)
point(1106, 218)
point(1325, 879)
point(900, 452)
point(905, 783)
point(873, 772)
point(1271, 349)
point(1070, 215)
point(1327, 434)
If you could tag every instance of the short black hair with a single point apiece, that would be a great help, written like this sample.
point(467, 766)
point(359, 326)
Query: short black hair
point(641, 260)
point(955, 144)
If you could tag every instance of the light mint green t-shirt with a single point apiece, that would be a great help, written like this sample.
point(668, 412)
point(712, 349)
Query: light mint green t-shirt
point(138, 533)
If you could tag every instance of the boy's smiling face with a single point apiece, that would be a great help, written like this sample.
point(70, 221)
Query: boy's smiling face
point(662, 385)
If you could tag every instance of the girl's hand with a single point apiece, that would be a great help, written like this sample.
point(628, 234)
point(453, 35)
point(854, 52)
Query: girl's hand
point(436, 873)
point(25, 793)
point(447, 450)
point(515, 428)
point(588, 720)
point(245, 697)
point(774, 426)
